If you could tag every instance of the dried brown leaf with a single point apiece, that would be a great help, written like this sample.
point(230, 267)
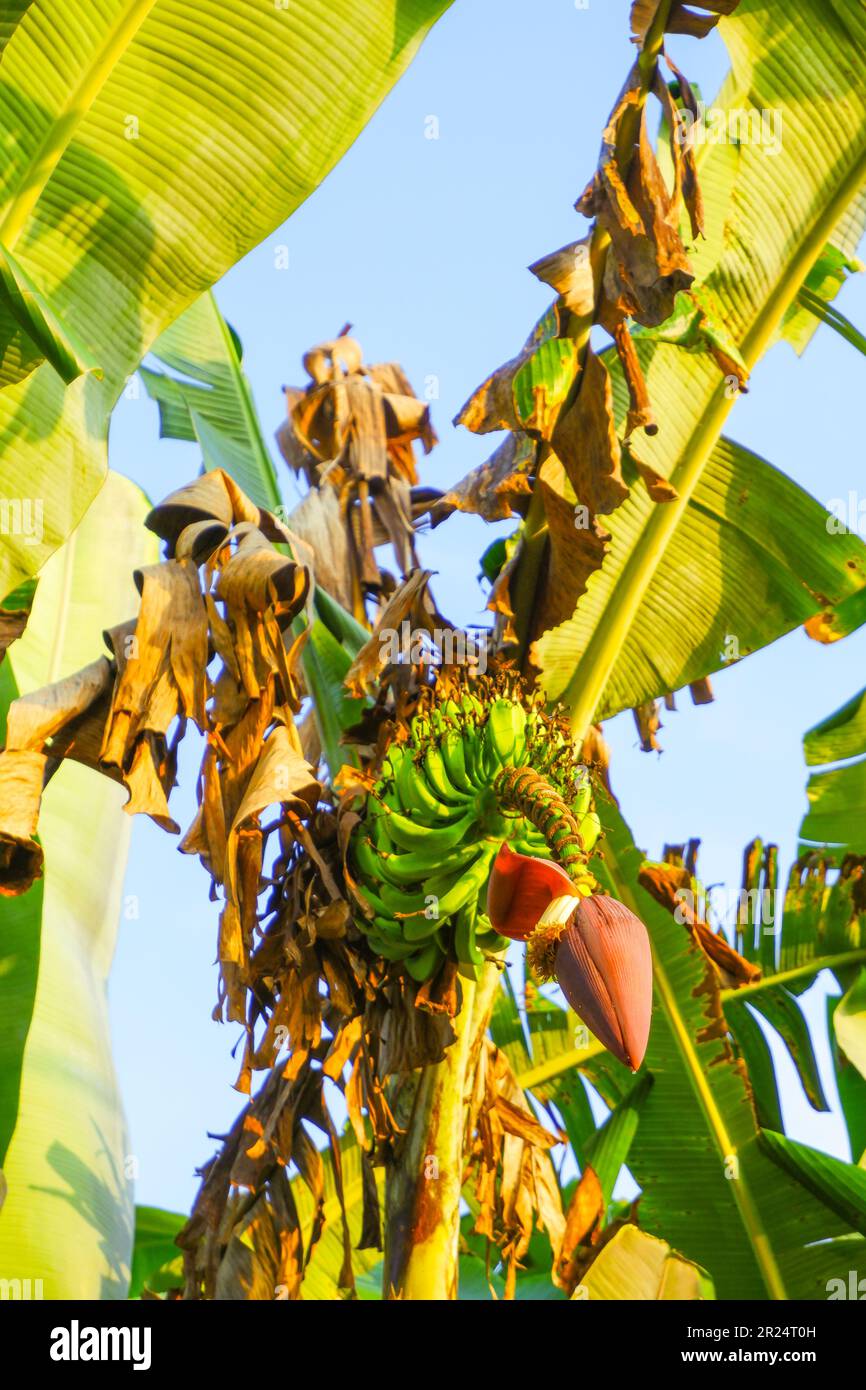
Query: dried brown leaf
point(583, 1222)
point(647, 265)
point(586, 443)
point(578, 545)
point(648, 721)
point(494, 490)
point(12, 623)
point(22, 774)
point(569, 272)
point(319, 521)
point(682, 19)
point(36, 718)
point(406, 603)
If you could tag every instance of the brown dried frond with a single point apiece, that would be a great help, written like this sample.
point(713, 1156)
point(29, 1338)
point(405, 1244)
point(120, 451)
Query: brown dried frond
point(351, 432)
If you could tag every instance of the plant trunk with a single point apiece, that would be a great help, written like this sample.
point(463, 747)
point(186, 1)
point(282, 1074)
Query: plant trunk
point(424, 1179)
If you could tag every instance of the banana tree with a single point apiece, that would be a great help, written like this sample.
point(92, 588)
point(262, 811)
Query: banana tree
point(622, 615)
point(366, 920)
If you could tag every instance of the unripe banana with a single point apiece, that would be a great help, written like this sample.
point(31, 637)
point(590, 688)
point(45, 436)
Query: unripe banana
point(415, 795)
point(432, 839)
point(440, 782)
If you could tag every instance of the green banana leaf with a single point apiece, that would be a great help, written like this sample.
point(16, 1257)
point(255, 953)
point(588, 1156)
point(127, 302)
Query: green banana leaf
point(651, 618)
point(842, 1186)
point(814, 303)
point(154, 1253)
point(820, 925)
point(723, 552)
point(697, 1146)
point(837, 795)
point(209, 399)
point(68, 1215)
point(791, 936)
point(149, 144)
point(546, 1060)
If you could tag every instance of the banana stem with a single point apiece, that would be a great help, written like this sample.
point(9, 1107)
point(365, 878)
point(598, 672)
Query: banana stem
point(424, 1179)
point(528, 793)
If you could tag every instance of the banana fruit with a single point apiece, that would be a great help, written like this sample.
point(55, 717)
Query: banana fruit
point(437, 815)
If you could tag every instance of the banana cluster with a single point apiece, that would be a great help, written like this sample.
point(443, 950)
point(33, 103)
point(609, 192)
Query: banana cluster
point(435, 820)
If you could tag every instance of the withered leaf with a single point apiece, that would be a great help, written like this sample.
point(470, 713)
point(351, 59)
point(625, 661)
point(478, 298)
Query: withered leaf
point(22, 774)
point(640, 412)
point(212, 496)
point(671, 886)
point(407, 603)
point(332, 360)
point(519, 1120)
point(34, 719)
point(319, 521)
point(12, 623)
point(582, 1222)
point(702, 692)
point(646, 717)
point(280, 777)
point(495, 489)
point(647, 264)
point(491, 406)
point(658, 487)
point(352, 432)
point(682, 19)
point(569, 272)
point(586, 443)
point(683, 147)
point(256, 576)
point(578, 545)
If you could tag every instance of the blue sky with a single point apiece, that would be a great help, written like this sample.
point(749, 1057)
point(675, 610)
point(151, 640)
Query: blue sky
point(423, 245)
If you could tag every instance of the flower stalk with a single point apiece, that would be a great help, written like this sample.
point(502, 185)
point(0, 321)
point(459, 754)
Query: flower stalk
point(424, 1178)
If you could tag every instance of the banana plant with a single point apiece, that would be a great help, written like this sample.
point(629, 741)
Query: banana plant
point(64, 1151)
point(131, 180)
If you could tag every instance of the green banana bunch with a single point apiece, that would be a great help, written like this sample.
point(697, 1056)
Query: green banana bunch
point(439, 813)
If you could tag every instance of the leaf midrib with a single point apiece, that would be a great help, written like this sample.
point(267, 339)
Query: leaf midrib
point(589, 681)
point(58, 136)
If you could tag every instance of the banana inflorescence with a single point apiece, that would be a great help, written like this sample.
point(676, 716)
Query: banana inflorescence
point(472, 775)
